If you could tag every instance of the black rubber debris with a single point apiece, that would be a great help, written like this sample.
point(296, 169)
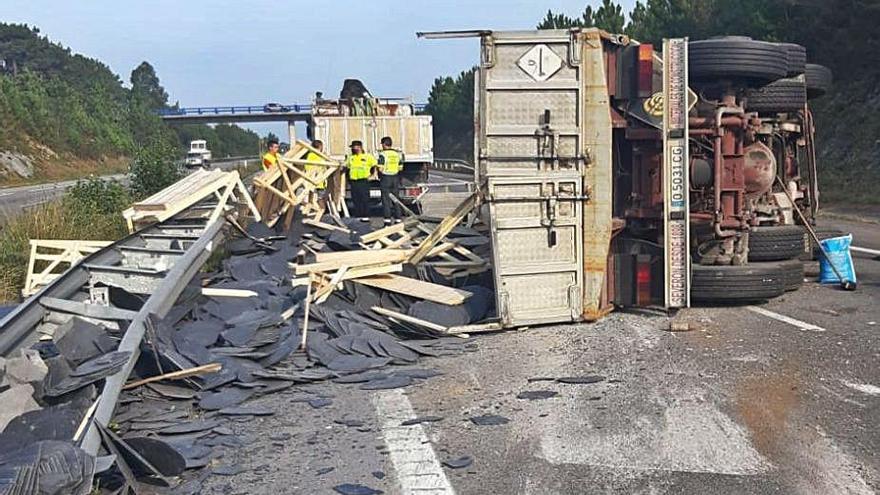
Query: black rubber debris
point(537, 394)
point(459, 462)
point(421, 419)
point(489, 420)
point(355, 489)
point(581, 380)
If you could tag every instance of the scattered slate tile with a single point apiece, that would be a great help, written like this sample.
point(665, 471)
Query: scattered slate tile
point(353, 363)
point(392, 381)
point(191, 426)
point(541, 379)
point(324, 471)
point(162, 455)
point(349, 422)
point(172, 391)
point(489, 420)
point(319, 403)
point(537, 394)
point(421, 419)
point(227, 397)
point(355, 489)
point(581, 380)
point(246, 411)
point(363, 377)
point(378, 475)
point(228, 469)
point(419, 373)
point(281, 436)
point(459, 462)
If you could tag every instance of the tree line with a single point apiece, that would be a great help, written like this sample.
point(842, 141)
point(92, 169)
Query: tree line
point(840, 34)
point(75, 105)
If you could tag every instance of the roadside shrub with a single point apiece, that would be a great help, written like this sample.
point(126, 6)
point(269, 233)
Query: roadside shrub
point(154, 167)
point(94, 196)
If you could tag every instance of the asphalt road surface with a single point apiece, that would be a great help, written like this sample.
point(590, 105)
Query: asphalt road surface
point(14, 200)
point(782, 397)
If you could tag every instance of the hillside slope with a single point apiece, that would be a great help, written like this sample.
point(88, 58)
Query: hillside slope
point(64, 115)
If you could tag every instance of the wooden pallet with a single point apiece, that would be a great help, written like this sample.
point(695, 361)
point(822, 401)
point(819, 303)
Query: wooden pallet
point(187, 193)
point(54, 257)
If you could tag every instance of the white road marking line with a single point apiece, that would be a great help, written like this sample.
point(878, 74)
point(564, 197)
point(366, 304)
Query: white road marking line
point(857, 249)
point(865, 388)
point(785, 319)
point(418, 470)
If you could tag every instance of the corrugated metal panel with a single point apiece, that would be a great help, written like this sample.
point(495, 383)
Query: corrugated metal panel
point(411, 134)
point(537, 246)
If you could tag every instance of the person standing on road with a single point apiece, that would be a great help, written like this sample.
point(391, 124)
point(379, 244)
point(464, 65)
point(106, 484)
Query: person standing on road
point(390, 165)
point(316, 170)
point(360, 166)
point(270, 157)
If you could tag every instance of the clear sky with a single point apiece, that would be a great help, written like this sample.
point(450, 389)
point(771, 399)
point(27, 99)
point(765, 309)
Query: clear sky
point(236, 52)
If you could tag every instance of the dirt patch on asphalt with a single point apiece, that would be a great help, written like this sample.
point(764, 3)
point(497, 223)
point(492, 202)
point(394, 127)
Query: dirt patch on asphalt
point(765, 403)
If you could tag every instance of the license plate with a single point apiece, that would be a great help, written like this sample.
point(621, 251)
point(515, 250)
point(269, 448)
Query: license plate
point(375, 193)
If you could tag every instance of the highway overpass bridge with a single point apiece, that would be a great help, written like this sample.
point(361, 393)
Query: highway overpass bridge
point(291, 114)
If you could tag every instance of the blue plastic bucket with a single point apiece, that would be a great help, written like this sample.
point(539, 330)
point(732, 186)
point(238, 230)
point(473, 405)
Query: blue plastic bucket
point(838, 253)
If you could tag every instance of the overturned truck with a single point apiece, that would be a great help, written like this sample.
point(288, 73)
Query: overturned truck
point(617, 175)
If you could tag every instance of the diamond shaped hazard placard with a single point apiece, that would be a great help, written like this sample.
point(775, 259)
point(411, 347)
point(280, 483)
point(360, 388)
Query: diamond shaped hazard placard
point(540, 62)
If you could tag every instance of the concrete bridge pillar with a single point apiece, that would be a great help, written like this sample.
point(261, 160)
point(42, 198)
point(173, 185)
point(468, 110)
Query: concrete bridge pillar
point(291, 132)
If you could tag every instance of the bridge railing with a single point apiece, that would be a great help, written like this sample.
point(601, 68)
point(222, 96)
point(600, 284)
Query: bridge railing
point(249, 109)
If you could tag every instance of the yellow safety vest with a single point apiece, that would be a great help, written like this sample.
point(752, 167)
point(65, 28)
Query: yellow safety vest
point(391, 162)
point(359, 166)
point(315, 170)
point(269, 159)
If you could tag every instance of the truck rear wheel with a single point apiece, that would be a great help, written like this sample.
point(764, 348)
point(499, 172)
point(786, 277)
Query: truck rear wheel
point(792, 274)
point(776, 243)
point(739, 58)
point(796, 55)
point(784, 95)
point(818, 79)
point(737, 283)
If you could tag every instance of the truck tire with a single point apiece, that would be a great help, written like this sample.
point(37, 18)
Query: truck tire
point(754, 63)
point(776, 243)
point(792, 274)
point(796, 58)
point(819, 79)
point(736, 284)
point(784, 95)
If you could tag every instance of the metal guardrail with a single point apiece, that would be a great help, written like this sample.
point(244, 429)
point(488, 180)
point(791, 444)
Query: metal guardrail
point(248, 110)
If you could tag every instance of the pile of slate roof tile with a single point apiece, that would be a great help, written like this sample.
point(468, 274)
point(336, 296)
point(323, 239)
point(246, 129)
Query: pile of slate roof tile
point(162, 428)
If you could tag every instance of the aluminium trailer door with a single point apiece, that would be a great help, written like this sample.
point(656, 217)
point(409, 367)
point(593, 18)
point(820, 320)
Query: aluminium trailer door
point(529, 100)
point(536, 248)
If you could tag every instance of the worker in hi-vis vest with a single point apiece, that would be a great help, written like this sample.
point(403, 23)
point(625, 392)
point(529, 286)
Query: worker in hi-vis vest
point(316, 170)
point(390, 165)
point(360, 166)
point(270, 157)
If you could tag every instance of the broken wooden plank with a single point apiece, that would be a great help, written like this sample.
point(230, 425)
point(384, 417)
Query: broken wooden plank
point(444, 228)
point(352, 259)
point(416, 288)
point(409, 319)
point(176, 375)
point(217, 292)
point(476, 328)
